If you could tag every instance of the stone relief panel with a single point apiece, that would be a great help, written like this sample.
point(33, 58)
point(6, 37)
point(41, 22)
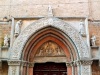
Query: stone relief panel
point(82, 48)
point(50, 49)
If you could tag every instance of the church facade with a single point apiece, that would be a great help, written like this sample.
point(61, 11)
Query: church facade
point(49, 37)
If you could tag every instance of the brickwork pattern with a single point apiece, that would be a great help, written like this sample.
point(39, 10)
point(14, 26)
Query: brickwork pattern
point(27, 8)
point(4, 29)
point(94, 29)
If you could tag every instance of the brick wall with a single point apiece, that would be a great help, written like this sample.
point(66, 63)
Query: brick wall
point(4, 29)
point(94, 29)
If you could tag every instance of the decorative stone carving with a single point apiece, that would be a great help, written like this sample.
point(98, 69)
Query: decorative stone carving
point(82, 29)
point(50, 49)
point(18, 28)
point(84, 62)
point(6, 41)
point(14, 62)
point(24, 63)
point(20, 42)
point(93, 40)
point(31, 64)
point(50, 11)
point(70, 64)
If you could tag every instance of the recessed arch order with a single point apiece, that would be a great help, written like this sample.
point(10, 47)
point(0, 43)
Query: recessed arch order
point(70, 32)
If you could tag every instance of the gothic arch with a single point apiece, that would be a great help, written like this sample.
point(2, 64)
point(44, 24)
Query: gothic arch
point(73, 34)
point(59, 32)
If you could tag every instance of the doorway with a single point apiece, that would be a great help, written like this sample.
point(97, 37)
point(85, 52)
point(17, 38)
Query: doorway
point(50, 68)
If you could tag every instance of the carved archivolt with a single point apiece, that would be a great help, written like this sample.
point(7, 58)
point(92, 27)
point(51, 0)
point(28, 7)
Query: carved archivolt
point(81, 48)
point(50, 49)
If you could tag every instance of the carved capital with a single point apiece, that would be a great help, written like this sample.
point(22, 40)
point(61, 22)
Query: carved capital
point(83, 62)
point(73, 63)
point(14, 62)
point(31, 64)
point(68, 64)
point(86, 62)
point(24, 63)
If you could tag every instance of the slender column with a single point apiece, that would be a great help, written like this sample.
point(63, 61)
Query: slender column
point(69, 68)
point(23, 67)
point(87, 32)
point(12, 33)
point(31, 66)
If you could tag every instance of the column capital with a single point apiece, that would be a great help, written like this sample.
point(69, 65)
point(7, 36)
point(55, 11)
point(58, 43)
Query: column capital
point(31, 64)
point(14, 62)
point(84, 62)
point(69, 64)
point(17, 62)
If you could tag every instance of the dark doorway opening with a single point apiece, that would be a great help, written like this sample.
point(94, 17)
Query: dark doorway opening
point(50, 68)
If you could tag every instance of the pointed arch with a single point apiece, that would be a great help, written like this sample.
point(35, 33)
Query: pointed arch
point(66, 30)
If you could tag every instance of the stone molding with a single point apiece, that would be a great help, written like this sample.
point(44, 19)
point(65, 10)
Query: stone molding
point(14, 62)
point(21, 40)
point(20, 63)
point(84, 62)
point(79, 62)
